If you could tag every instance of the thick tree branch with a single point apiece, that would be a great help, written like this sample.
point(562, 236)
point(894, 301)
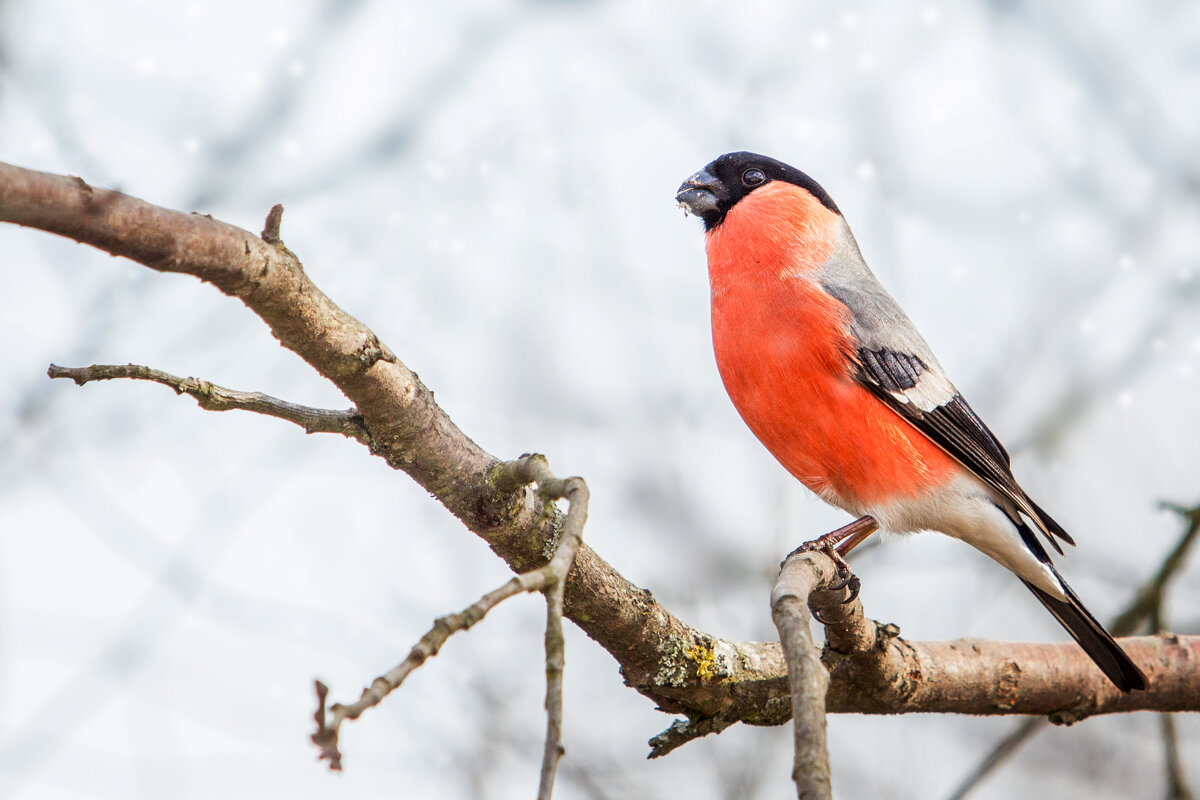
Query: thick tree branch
point(714, 682)
point(660, 655)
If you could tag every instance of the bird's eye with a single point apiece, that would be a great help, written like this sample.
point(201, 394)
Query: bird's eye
point(753, 176)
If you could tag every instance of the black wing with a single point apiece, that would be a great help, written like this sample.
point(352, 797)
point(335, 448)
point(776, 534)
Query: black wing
point(939, 412)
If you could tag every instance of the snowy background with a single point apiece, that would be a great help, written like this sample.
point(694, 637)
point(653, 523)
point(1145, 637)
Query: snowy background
point(490, 187)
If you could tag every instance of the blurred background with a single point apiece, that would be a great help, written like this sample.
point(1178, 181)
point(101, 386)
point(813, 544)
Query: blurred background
point(489, 186)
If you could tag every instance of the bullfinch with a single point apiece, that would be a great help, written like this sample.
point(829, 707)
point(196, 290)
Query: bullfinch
point(832, 376)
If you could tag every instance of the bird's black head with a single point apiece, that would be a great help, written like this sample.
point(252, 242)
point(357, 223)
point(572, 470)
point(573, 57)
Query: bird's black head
point(714, 190)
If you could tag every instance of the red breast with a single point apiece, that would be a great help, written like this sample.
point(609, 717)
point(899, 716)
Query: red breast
point(787, 360)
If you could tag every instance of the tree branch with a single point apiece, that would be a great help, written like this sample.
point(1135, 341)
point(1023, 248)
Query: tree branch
point(326, 736)
point(713, 682)
point(800, 576)
point(549, 579)
point(576, 491)
point(212, 397)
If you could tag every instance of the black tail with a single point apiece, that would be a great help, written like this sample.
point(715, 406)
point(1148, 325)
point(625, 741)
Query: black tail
point(1092, 637)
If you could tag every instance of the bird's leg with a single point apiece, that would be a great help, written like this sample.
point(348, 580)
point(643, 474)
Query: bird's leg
point(862, 528)
point(837, 545)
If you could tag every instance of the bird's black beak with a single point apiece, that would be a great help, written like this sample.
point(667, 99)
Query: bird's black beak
point(701, 194)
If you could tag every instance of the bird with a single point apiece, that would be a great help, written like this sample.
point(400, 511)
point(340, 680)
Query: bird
point(834, 379)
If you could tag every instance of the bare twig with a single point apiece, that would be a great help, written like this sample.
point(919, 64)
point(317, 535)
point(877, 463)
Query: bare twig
point(549, 579)
point(326, 737)
point(212, 397)
point(685, 730)
point(576, 492)
point(1010, 744)
point(1146, 611)
point(799, 577)
point(1177, 785)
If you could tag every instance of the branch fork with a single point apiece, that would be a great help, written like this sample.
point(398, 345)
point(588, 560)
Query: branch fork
point(549, 579)
point(812, 584)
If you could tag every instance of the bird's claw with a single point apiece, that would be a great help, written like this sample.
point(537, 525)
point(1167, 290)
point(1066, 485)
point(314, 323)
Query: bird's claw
point(854, 586)
point(845, 578)
point(844, 575)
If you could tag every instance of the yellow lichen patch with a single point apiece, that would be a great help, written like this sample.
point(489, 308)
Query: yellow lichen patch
point(681, 658)
point(705, 659)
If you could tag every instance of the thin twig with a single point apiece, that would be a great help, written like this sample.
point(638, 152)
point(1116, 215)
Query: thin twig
point(1177, 785)
point(686, 730)
point(802, 574)
point(1010, 744)
point(1147, 607)
point(576, 492)
point(212, 397)
point(326, 737)
point(549, 579)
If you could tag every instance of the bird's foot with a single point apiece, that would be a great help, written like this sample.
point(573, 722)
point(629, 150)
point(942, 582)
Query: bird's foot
point(836, 544)
point(826, 544)
point(845, 578)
